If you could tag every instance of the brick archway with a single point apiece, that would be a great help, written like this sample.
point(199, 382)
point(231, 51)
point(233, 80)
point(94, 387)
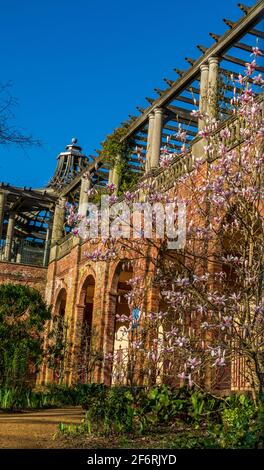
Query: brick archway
point(118, 305)
point(83, 341)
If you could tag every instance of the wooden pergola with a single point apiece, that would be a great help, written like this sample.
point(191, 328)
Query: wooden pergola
point(31, 210)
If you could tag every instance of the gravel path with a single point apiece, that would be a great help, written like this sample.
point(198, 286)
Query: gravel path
point(35, 430)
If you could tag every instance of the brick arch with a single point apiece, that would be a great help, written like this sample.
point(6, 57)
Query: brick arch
point(60, 302)
point(81, 283)
point(84, 324)
point(114, 291)
point(233, 374)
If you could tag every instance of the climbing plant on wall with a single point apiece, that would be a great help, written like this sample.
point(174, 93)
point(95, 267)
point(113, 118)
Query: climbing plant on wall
point(116, 152)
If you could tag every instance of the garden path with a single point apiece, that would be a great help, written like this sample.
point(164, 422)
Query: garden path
point(35, 429)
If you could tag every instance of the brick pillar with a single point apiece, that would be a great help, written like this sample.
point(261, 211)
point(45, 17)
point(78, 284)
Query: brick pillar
point(76, 338)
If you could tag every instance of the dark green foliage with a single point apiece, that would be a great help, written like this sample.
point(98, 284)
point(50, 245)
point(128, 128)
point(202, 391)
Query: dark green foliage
point(241, 424)
point(207, 421)
point(117, 153)
point(23, 314)
point(51, 396)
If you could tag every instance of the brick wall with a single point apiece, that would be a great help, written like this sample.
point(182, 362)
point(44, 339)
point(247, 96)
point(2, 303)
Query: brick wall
point(32, 276)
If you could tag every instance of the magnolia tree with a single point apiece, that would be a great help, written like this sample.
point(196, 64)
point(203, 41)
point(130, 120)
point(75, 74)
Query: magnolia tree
point(209, 324)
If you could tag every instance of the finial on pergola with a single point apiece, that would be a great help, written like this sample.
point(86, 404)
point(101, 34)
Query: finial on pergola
point(215, 36)
point(159, 91)
point(150, 100)
point(244, 8)
point(168, 81)
point(201, 48)
point(190, 60)
point(229, 23)
point(179, 72)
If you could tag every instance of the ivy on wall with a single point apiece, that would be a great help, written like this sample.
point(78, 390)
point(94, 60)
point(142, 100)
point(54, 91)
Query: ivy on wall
point(117, 152)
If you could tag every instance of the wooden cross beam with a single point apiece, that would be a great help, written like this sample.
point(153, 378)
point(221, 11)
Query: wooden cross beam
point(191, 89)
point(184, 99)
point(164, 135)
point(229, 23)
point(190, 60)
point(201, 48)
point(150, 100)
point(237, 61)
point(242, 27)
point(182, 113)
point(257, 32)
point(179, 72)
point(244, 8)
point(245, 47)
point(175, 129)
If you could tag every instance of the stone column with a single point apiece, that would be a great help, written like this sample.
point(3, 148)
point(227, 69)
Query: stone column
point(116, 176)
point(110, 176)
point(58, 220)
point(47, 247)
point(9, 236)
point(212, 87)
point(2, 211)
point(149, 141)
point(156, 138)
point(203, 93)
point(18, 247)
point(84, 197)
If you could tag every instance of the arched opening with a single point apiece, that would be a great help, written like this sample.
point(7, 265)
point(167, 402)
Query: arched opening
point(86, 359)
point(120, 370)
point(60, 337)
point(241, 256)
point(60, 304)
point(172, 317)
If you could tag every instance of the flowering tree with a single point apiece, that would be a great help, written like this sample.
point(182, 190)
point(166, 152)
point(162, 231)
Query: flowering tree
point(209, 324)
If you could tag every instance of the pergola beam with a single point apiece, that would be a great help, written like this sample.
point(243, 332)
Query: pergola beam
point(237, 61)
point(245, 24)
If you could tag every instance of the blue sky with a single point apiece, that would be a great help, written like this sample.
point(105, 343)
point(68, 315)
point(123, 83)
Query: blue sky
point(79, 67)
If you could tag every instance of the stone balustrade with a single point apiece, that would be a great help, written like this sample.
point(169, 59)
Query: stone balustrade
point(64, 246)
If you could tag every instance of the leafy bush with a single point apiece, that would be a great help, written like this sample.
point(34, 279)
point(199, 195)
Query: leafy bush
point(23, 314)
point(51, 396)
point(242, 423)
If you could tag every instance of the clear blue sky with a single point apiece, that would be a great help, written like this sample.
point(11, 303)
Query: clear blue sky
point(80, 67)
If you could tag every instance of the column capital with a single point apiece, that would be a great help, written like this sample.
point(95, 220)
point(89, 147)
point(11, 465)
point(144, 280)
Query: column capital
point(61, 201)
point(213, 60)
point(204, 67)
point(86, 176)
point(151, 115)
point(158, 111)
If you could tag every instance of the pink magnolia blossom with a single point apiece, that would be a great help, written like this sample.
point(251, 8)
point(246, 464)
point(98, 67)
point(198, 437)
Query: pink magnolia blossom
point(251, 66)
point(256, 51)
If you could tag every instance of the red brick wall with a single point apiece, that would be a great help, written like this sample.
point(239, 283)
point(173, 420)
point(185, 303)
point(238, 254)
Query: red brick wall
point(33, 276)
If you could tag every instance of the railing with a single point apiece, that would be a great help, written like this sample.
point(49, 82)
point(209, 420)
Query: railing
point(22, 252)
point(234, 125)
